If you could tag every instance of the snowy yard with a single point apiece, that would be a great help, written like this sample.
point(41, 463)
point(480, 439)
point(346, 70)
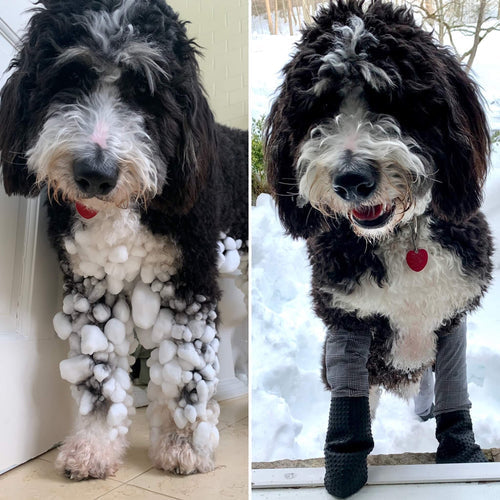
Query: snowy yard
point(290, 406)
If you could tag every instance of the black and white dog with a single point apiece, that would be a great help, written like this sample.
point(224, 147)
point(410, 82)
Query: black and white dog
point(377, 150)
point(105, 110)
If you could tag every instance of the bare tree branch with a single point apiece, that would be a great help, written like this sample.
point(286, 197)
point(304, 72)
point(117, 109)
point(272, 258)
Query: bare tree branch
point(469, 18)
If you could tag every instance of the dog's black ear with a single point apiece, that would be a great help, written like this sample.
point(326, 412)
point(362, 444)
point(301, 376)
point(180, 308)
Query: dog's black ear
point(283, 133)
point(462, 162)
point(14, 126)
point(188, 131)
point(196, 149)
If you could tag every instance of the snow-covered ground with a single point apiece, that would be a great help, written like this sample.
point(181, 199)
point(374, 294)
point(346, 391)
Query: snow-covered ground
point(290, 406)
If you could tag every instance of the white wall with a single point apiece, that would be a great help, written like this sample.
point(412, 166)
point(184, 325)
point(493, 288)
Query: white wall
point(221, 28)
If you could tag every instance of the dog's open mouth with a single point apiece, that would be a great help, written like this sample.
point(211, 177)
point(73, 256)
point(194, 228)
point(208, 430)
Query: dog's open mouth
point(372, 217)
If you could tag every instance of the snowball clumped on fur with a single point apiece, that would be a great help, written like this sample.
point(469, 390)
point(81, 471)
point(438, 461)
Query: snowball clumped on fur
point(100, 324)
point(229, 257)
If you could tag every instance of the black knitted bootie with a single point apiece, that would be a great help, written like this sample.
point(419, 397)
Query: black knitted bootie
point(456, 439)
point(348, 443)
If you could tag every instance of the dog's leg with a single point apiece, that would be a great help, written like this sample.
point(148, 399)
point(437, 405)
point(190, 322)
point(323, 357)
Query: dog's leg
point(453, 423)
point(348, 439)
point(183, 414)
point(101, 336)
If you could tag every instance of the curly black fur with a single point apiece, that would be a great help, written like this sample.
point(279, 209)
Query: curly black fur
point(435, 103)
point(202, 176)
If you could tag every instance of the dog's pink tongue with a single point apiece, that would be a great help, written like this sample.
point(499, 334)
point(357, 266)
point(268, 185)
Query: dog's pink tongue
point(368, 213)
point(85, 212)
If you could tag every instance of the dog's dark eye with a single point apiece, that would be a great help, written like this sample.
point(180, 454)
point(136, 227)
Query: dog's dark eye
point(140, 86)
point(73, 76)
point(316, 133)
point(142, 89)
point(136, 87)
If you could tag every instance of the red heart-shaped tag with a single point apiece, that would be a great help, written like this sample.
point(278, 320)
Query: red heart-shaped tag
point(417, 259)
point(85, 212)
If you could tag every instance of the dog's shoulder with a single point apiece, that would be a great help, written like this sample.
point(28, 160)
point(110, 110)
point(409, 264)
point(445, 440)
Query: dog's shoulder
point(470, 240)
point(340, 259)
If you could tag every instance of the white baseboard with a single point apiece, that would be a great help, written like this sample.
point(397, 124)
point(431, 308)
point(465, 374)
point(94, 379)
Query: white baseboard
point(230, 388)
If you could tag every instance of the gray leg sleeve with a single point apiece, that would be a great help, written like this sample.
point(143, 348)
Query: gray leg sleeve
point(346, 356)
point(423, 400)
point(451, 371)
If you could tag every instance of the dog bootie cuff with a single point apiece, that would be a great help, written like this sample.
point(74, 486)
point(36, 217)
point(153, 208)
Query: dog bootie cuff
point(348, 443)
point(456, 439)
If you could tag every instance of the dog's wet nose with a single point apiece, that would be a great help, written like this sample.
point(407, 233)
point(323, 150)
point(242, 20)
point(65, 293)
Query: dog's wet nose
point(356, 183)
point(95, 177)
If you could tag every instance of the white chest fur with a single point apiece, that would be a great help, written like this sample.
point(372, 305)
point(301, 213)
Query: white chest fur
point(416, 303)
point(115, 246)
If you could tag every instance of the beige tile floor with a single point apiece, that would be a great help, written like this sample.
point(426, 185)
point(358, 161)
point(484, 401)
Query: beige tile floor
point(137, 479)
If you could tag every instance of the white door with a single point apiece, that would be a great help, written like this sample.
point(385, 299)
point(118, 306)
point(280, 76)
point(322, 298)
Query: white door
point(35, 406)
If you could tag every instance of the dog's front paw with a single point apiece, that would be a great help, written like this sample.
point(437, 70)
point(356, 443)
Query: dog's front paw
point(83, 457)
point(456, 439)
point(175, 452)
point(348, 443)
point(345, 473)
